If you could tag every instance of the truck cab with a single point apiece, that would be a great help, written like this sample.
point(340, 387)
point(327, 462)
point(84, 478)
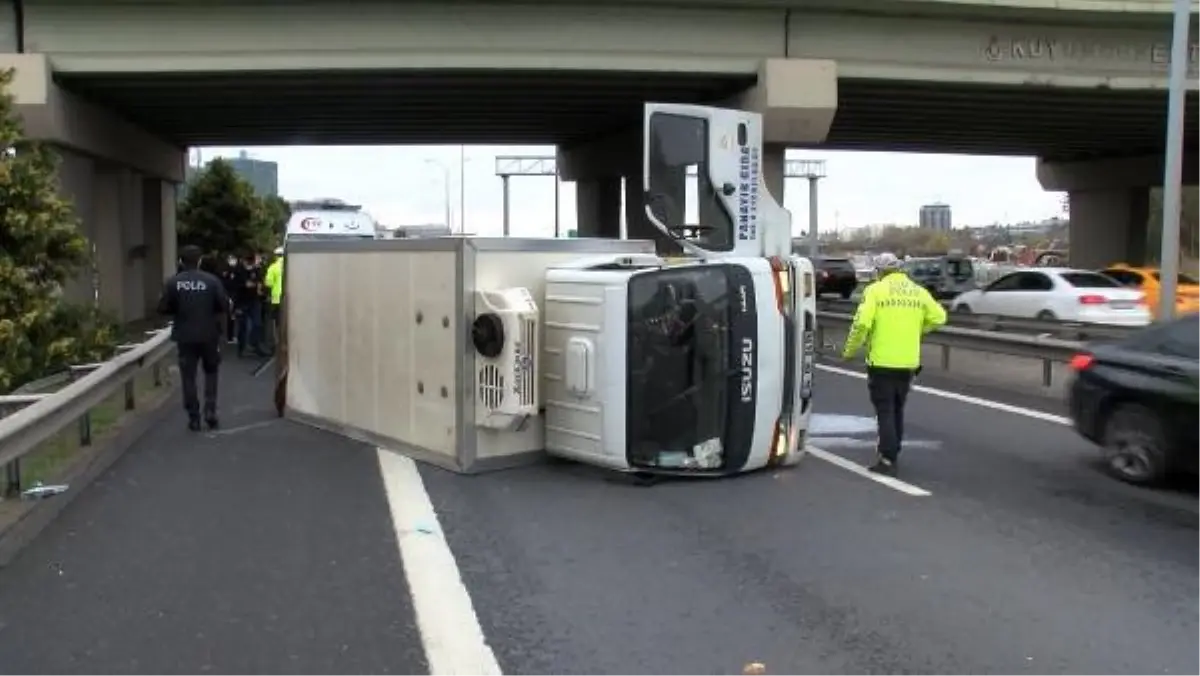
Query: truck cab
point(700, 365)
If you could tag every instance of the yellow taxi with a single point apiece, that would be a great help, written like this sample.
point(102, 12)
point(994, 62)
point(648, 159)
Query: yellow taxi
point(1148, 281)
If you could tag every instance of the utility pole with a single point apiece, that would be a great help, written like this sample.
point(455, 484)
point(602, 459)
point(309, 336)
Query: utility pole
point(1173, 170)
point(504, 178)
point(462, 190)
point(445, 191)
point(814, 171)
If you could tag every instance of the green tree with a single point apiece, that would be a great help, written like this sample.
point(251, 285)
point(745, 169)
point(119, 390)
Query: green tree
point(221, 214)
point(274, 212)
point(41, 249)
point(1189, 224)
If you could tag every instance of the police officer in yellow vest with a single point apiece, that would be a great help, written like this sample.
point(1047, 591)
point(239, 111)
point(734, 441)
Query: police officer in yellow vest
point(273, 280)
point(895, 313)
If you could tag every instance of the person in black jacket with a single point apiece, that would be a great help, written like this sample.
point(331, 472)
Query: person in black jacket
point(197, 302)
point(227, 276)
point(247, 306)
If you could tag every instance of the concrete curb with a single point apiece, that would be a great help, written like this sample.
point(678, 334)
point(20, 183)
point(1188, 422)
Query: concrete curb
point(34, 519)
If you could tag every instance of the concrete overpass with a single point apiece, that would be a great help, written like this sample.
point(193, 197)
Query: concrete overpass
point(1080, 84)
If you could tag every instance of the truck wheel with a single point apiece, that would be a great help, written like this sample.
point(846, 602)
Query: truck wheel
point(1135, 445)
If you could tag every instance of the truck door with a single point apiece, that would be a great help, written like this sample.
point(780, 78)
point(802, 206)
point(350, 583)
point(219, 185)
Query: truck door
point(724, 148)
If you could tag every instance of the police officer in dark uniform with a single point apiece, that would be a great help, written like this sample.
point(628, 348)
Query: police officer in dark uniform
point(199, 305)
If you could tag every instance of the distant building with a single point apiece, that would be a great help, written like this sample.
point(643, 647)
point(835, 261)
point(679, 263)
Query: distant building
point(936, 217)
point(263, 175)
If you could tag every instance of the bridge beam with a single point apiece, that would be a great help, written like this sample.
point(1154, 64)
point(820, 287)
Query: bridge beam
point(121, 180)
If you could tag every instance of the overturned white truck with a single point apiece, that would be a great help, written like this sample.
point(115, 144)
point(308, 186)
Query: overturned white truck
point(476, 353)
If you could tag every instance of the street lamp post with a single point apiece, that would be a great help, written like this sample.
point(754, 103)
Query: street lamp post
point(445, 189)
point(462, 190)
point(814, 171)
point(1173, 169)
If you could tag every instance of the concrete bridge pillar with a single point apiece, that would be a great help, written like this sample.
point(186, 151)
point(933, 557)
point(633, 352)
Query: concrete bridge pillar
point(121, 181)
point(1110, 206)
point(1108, 226)
point(598, 207)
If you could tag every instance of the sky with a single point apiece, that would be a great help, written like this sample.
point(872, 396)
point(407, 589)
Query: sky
point(406, 185)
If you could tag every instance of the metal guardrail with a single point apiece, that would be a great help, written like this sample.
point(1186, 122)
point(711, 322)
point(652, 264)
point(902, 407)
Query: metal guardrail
point(28, 419)
point(1045, 348)
point(1067, 330)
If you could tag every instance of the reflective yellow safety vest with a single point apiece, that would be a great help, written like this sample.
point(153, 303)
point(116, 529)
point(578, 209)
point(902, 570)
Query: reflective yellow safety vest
point(274, 280)
point(894, 314)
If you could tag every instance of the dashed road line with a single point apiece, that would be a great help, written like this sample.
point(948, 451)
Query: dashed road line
point(855, 468)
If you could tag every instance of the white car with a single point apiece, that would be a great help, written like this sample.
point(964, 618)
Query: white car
point(1064, 294)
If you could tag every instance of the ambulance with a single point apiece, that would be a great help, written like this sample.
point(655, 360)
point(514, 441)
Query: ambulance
point(322, 219)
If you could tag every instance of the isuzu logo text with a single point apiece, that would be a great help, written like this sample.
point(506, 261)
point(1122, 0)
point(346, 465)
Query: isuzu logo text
point(747, 368)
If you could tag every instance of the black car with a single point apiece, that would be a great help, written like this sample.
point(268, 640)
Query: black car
point(1138, 399)
point(835, 275)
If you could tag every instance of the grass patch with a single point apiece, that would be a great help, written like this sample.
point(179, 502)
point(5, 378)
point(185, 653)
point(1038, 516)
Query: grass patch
point(51, 459)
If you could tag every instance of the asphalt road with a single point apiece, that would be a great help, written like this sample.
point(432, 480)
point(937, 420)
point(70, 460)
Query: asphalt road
point(266, 548)
point(271, 549)
point(1025, 559)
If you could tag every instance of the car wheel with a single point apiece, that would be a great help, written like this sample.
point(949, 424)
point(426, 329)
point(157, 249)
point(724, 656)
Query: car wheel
point(962, 308)
point(1046, 316)
point(1135, 445)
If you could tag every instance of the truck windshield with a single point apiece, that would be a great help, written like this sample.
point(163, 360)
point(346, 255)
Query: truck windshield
point(680, 369)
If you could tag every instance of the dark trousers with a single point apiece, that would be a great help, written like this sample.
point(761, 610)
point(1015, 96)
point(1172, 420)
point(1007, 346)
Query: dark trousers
point(207, 356)
point(271, 326)
point(249, 327)
point(889, 391)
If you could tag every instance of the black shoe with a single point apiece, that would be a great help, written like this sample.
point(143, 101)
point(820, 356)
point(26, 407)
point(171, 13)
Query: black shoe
point(884, 466)
point(212, 421)
point(194, 423)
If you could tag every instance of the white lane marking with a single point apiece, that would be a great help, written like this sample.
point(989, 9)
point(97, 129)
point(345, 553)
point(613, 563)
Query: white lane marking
point(450, 633)
point(966, 399)
point(262, 368)
point(850, 466)
point(241, 428)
